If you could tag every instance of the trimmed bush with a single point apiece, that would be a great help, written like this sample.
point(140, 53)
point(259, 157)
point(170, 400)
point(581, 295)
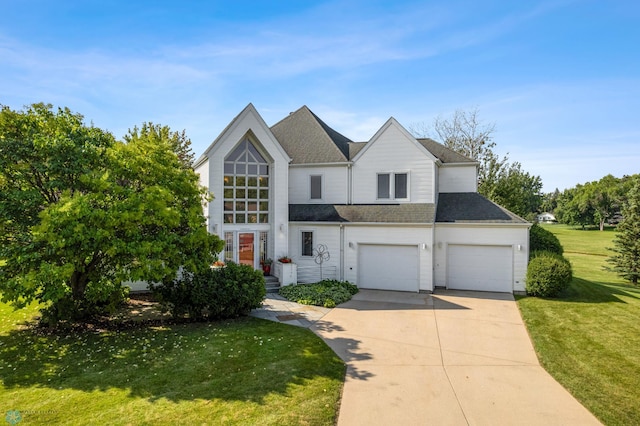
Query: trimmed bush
point(226, 292)
point(327, 293)
point(542, 240)
point(548, 274)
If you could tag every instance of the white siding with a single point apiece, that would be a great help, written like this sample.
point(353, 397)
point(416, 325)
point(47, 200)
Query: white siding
point(397, 235)
point(515, 236)
point(203, 179)
point(334, 184)
point(329, 235)
point(457, 178)
point(393, 151)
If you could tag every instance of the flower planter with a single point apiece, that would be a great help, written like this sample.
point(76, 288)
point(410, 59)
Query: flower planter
point(287, 273)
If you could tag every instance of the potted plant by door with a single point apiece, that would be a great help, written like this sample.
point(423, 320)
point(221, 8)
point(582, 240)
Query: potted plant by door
point(266, 266)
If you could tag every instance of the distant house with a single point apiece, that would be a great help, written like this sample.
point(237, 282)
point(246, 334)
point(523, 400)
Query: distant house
point(394, 212)
point(546, 218)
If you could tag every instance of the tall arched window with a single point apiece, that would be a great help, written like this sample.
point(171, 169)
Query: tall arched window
point(246, 185)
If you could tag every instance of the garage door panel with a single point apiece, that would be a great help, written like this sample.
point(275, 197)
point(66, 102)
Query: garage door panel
point(388, 267)
point(483, 268)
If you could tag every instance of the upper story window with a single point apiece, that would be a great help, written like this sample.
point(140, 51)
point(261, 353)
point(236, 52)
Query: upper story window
point(315, 182)
point(393, 186)
point(246, 185)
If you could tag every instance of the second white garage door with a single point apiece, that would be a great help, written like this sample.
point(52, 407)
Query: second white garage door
point(483, 268)
point(388, 267)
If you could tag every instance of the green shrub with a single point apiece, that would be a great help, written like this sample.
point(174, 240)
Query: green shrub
point(542, 240)
point(327, 293)
point(548, 274)
point(226, 292)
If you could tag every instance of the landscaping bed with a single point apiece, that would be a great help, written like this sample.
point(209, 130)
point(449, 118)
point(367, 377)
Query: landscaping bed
point(326, 293)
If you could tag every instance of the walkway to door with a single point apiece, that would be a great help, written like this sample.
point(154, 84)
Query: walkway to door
point(454, 357)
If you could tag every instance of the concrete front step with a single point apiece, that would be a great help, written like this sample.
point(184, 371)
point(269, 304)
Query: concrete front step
point(271, 283)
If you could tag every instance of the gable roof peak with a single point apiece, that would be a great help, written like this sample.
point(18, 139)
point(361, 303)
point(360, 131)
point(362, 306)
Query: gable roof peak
point(308, 139)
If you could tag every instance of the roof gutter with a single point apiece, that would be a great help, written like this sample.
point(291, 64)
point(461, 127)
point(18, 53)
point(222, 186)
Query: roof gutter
point(341, 163)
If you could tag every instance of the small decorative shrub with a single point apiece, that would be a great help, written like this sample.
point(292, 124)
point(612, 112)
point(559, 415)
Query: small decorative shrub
point(214, 294)
point(542, 240)
point(327, 293)
point(548, 274)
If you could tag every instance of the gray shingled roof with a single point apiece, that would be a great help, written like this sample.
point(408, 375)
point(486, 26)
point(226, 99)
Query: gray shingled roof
point(308, 140)
point(355, 148)
point(362, 213)
point(472, 207)
point(444, 154)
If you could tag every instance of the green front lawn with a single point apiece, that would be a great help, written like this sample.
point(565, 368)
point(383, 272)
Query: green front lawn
point(245, 371)
point(589, 339)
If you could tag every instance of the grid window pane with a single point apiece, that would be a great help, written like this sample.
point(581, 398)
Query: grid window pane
point(246, 171)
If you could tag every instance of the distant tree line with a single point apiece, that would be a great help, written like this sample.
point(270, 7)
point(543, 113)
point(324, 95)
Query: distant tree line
point(590, 204)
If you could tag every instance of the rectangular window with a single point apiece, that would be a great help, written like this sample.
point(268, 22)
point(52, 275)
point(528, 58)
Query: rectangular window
point(228, 246)
point(316, 187)
point(307, 243)
point(393, 186)
point(400, 185)
point(383, 185)
point(263, 245)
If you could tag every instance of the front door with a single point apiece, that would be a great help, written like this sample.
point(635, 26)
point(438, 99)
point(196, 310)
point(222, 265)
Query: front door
point(246, 248)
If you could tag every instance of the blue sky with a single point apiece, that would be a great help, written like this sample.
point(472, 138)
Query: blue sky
point(560, 79)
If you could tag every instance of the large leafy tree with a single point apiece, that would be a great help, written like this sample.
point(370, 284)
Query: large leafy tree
point(513, 188)
point(626, 257)
point(591, 203)
point(81, 212)
point(502, 182)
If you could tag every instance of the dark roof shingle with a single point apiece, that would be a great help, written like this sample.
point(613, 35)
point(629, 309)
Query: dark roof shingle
point(362, 213)
point(308, 140)
point(471, 207)
point(444, 154)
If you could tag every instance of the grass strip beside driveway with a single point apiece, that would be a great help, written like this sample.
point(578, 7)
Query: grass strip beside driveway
point(589, 338)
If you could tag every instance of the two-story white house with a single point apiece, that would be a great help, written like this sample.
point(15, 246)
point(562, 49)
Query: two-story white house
point(394, 213)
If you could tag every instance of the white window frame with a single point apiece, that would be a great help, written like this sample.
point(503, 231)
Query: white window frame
point(392, 186)
point(313, 236)
point(321, 187)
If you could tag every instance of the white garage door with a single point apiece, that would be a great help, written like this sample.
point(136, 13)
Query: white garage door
point(388, 267)
point(483, 268)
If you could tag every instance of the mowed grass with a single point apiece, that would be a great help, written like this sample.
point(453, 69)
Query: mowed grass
point(245, 371)
point(589, 339)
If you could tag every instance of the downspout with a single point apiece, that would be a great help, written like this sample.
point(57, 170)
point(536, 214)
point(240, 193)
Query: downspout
point(349, 185)
point(341, 252)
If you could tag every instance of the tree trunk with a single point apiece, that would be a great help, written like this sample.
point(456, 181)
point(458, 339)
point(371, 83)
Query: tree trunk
point(78, 284)
point(602, 224)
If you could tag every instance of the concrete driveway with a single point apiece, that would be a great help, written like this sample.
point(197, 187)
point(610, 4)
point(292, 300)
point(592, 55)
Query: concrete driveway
point(451, 358)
